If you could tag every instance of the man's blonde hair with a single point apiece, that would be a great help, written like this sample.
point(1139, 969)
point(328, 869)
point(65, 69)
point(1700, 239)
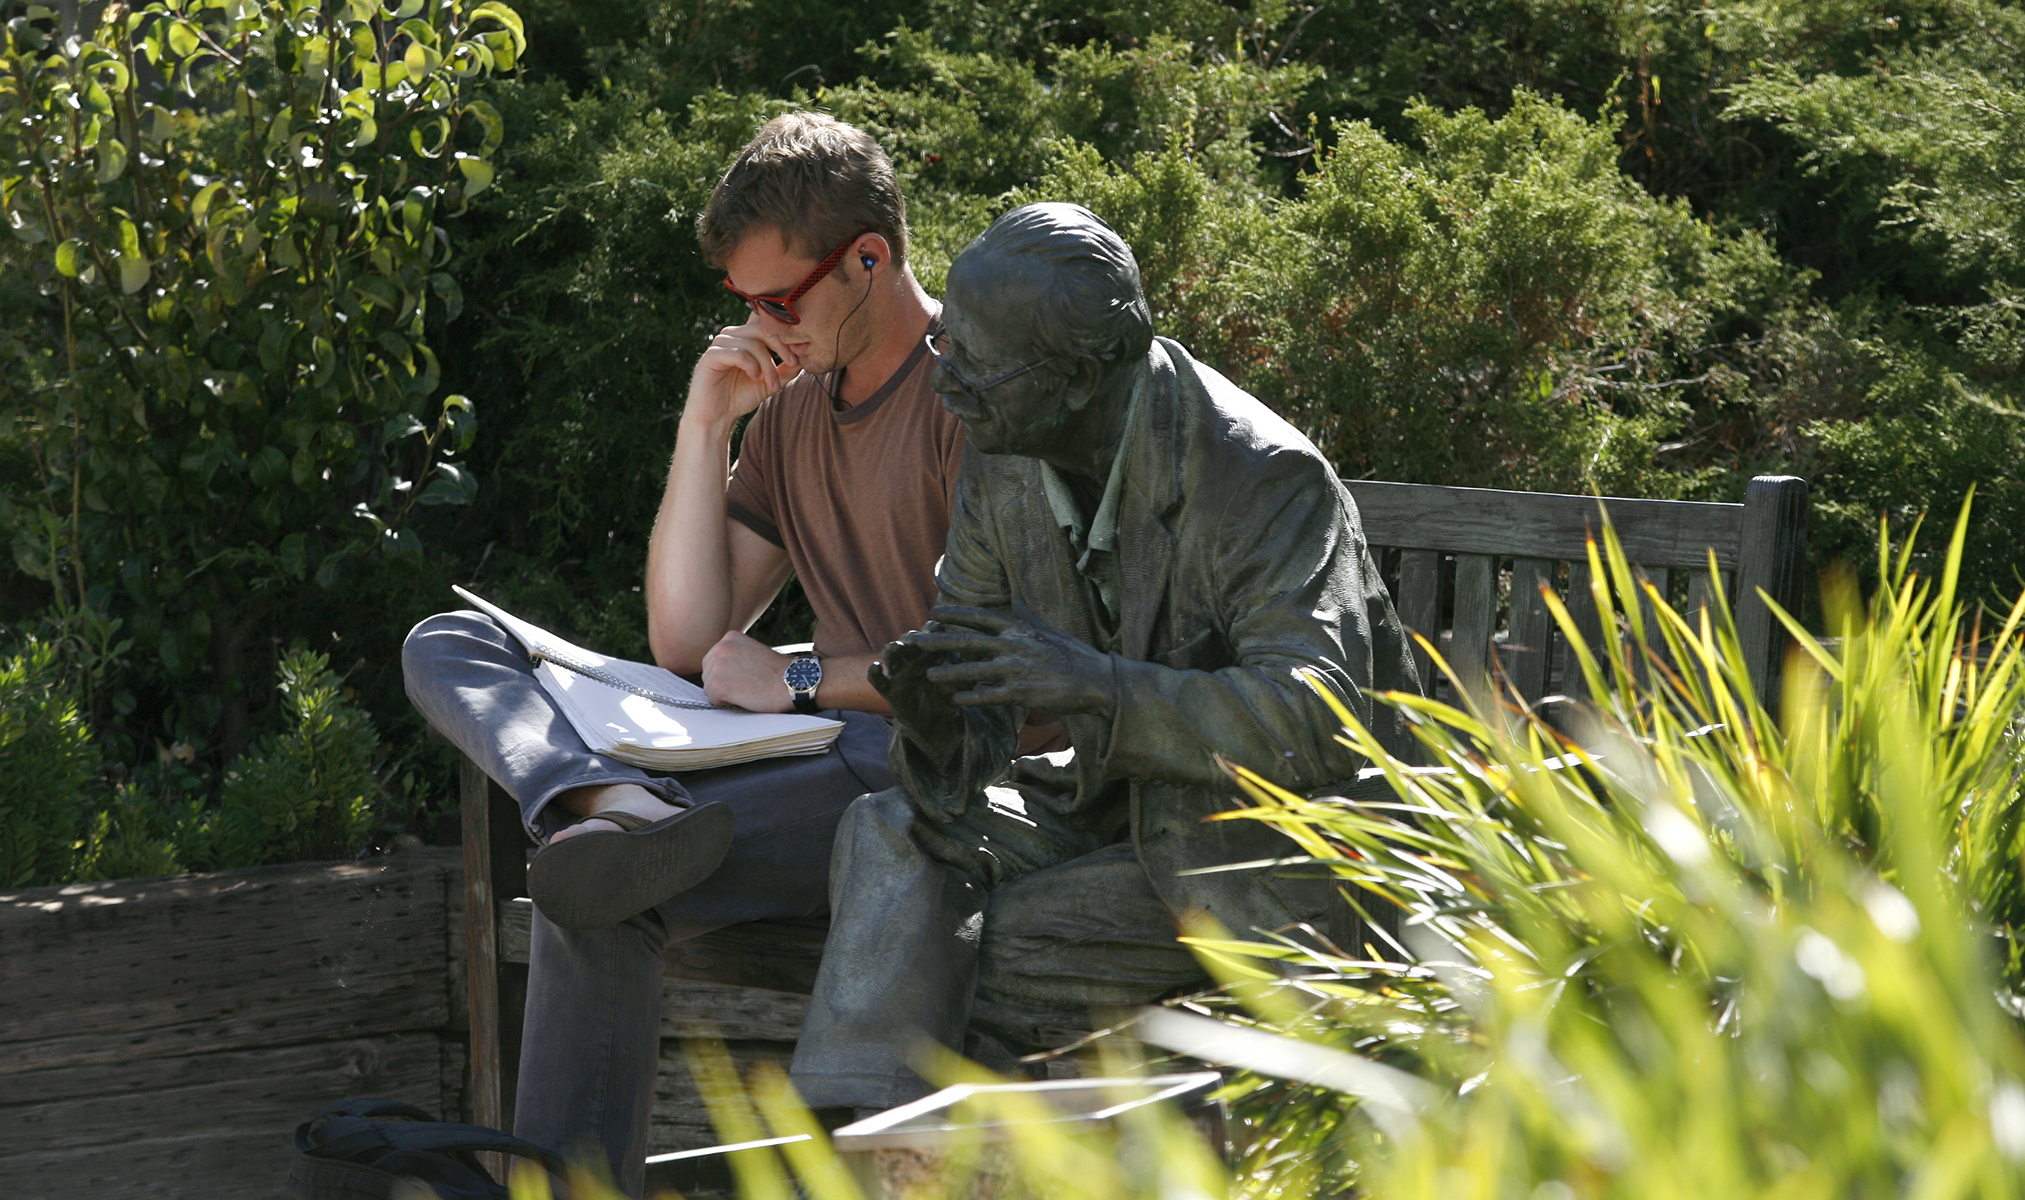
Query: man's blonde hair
point(813, 179)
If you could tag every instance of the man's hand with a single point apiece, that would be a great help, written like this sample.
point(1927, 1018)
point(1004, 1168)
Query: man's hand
point(737, 371)
point(746, 673)
point(1001, 660)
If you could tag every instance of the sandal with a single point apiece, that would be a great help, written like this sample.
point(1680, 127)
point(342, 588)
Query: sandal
point(601, 878)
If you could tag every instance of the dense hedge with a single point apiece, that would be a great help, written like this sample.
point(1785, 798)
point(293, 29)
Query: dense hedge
point(1525, 243)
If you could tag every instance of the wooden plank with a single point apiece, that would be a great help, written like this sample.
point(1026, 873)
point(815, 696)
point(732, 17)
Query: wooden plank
point(1660, 533)
point(680, 1120)
point(779, 956)
point(1420, 606)
point(690, 1009)
point(113, 972)
point(1589, 624)
point(1702, 592)
point(1772, 559)
point(266, 1091)
point(481, 951)
point(1530, 645)
point(1655, 638)
point(241, 1166)
point(1476, 617)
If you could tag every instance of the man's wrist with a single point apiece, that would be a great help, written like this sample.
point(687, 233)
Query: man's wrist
point(698, 420)
point(803, 675)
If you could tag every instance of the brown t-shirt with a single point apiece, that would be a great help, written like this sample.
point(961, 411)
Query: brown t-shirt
point(859, 498)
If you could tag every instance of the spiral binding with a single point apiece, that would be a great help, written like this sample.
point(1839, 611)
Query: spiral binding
point(607, 677)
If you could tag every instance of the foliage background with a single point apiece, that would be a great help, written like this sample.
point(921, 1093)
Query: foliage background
point(1557, 244)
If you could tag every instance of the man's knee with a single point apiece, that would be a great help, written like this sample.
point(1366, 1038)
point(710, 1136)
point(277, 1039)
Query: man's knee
point(440, 638)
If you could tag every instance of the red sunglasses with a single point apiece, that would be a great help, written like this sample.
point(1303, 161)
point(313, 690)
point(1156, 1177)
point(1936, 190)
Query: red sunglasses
point(782, 308)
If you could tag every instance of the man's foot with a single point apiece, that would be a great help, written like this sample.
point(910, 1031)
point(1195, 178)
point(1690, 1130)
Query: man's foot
point(631, 851)
point(588, 802)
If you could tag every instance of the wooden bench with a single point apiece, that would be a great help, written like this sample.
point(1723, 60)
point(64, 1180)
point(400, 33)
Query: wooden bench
point(1464, 566)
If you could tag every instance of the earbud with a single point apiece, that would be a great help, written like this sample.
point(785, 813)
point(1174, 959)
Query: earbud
point(868, 260)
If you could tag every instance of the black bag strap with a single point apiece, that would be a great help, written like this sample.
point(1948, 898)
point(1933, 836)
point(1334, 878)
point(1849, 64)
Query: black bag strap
point(359, 1106)
point(357, 1138)
point(447, 1177)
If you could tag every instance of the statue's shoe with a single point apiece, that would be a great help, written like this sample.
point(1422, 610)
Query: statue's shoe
point(602, 877)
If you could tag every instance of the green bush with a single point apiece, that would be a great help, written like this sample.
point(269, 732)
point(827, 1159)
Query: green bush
point(222, 386)
point(136, 836)
point(309, 792)
point(48, 766)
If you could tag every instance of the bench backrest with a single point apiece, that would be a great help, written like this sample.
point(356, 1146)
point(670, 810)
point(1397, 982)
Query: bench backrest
point(1465, 567)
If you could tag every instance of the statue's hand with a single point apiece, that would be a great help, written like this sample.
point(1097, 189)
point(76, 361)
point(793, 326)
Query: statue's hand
point(1023, 661)
point(901, 675)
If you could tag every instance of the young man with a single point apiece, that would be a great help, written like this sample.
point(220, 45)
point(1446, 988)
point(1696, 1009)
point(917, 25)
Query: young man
point(845, 477)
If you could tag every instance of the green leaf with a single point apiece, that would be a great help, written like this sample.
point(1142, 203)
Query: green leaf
point(200, 207)
point(112, 159)
point(493, 124)
point(134, 266)
point(268, 468)
point(361, 110)
point(452, 485)
point(440, 127)
point(401, 544)
point(445, 286)
point(67, 257)
point(421, 60)
point(134, 272)
point(182, 39)
point(415, 212)
point(432, 372)
point(294, 555)
point(408, 9)
point(477, 173)
point(160, 124)
point(507, 17)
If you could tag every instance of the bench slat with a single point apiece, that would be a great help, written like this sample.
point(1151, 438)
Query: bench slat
point(777, 956)
point(1530, 644)
point(1661, 533)
point(1476, 617)
point(1420, 604)
point(1588, 623)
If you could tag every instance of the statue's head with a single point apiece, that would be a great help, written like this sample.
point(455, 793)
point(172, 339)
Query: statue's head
point(1045, 316)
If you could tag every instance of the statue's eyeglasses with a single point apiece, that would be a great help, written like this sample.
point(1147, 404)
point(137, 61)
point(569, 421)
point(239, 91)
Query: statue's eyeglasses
point(938, 345)
point(782, 308)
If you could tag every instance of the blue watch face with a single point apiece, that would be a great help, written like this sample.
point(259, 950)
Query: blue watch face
point(803, 674)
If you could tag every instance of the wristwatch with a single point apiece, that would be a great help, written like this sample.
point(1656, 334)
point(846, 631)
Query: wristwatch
point(803, 675)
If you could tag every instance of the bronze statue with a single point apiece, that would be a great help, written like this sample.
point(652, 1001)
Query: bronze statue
point(1149, 554)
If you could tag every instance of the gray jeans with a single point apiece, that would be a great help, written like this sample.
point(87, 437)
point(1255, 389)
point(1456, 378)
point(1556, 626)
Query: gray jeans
point(591, 1043)
point(994, 934)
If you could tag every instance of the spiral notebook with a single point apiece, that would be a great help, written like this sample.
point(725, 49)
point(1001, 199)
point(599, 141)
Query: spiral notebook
point(651, 717)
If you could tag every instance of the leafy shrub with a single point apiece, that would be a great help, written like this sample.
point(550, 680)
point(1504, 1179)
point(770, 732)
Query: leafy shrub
point(232, 213)
point(47, 767)
point(309, 792)
point(136, 836)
